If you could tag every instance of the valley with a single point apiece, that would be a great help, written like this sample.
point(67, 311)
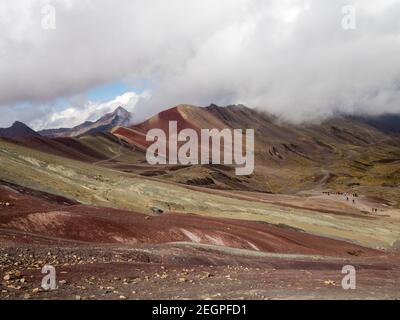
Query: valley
point(306, 211)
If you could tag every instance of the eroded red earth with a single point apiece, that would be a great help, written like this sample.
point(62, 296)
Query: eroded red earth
point(102, 253)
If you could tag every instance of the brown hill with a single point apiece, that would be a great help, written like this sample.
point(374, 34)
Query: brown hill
point(343, 154)
point(275, 139)
point(288, 158)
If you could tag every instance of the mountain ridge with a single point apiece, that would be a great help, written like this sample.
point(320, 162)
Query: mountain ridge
point(340, 153)
point(17, 130)
point(119, 116)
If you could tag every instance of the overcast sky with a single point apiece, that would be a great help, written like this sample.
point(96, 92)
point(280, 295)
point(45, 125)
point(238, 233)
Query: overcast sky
point(289, 57)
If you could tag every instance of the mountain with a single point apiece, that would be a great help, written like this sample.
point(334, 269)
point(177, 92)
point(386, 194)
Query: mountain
point(18, 130)
point(389, 123)
point(119, 117)
point(275, 139)
point(321, 194)
point(88, 142)
point(338, 153)
point(54, 133)
point(327, 190)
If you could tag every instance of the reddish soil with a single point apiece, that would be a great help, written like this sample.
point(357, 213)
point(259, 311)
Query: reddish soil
point(136, 138)
point(161, 121)
point(102, 253)
point(182, 272)
point(29, 214)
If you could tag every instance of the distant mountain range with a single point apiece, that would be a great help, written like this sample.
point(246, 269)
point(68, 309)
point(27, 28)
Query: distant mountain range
point(120, 117)
point(338, 153)
point(277, 142)
point(275, 139)
point(198, 118)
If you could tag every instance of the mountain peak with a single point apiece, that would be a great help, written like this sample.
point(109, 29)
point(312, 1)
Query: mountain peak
point(19, 124)
point(18, 130)
point(119, 117)
point(121, 112)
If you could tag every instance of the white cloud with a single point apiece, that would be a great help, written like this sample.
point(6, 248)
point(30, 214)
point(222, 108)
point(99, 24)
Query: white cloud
point(289, 57)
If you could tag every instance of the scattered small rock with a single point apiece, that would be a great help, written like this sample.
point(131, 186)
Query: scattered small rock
point(329, 282)
point(157, 210)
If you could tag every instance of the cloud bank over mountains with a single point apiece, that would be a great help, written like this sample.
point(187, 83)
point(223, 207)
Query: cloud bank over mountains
point(289, 57)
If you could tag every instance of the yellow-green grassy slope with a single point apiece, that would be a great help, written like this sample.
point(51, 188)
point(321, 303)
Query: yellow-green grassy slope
point(96, 185)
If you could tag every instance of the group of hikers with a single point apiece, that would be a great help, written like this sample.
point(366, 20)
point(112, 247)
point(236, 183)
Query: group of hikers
point(355, 195)
point(348, 196)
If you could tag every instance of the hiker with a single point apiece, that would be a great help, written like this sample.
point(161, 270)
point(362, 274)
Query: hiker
point(354, 201)
point(347, 199)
